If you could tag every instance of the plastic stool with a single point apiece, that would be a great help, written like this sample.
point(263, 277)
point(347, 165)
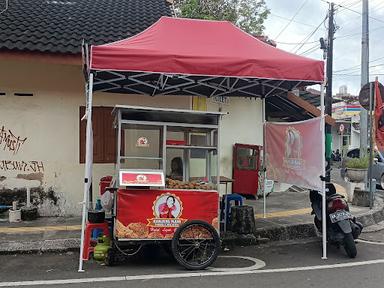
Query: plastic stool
point(88, 248)
point(238, 199)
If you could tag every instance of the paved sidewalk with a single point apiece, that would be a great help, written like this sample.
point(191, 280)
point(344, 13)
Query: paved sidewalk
point(288, 217)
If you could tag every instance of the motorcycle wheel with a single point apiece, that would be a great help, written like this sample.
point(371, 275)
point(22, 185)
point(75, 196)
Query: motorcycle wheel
point(350, 246)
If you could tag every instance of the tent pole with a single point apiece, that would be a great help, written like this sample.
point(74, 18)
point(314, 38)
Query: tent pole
point(88, 166)
point(263, 166)
point(323, 206)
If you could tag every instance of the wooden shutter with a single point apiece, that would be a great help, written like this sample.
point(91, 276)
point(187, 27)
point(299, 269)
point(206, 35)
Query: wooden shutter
point(104, 138)
point(109, 137)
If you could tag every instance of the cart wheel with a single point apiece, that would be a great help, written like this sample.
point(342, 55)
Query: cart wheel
point(195, 245)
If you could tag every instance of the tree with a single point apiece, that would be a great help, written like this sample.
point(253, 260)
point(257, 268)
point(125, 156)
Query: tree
point(249, 15)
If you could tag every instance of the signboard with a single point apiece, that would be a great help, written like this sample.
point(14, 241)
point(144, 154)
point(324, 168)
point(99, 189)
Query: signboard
point(364, 96)
point(365, 91)
point(147, 178)
point(293, 153)
point(379, 115)
point(156, 214)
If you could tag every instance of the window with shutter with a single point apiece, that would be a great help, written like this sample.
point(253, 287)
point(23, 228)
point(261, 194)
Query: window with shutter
point(104, 135)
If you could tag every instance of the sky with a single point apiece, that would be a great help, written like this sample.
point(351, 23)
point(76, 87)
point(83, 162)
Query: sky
point(301, 37)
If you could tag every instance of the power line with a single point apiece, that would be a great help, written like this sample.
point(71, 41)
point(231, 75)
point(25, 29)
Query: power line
point(297, 43)
point(293, 17)
point(309, 35)
point(310, 50)
point(357, 66)
point(285, 18)
point(349, 6)
point(359, 33)
point(349, 9)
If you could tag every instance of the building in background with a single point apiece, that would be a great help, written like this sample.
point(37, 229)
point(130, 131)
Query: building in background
point(346, 110)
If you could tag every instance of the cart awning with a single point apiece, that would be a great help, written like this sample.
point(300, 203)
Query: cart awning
point(199, 57)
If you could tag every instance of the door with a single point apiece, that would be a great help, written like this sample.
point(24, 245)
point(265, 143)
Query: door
point(246, 163)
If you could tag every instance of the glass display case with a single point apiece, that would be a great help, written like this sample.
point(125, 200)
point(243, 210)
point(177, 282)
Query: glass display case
point(182, 144)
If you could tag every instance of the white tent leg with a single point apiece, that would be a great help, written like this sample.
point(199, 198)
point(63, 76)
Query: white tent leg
point(88, 167)
point(323, 209)
point(263, 166)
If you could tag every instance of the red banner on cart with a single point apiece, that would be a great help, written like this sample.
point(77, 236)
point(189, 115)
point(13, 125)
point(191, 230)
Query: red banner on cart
point(293, 153)
point(156, 214)
point(141, 178)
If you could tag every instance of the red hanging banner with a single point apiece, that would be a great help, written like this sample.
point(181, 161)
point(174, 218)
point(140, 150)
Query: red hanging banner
point(293, 153)
point(379, 117)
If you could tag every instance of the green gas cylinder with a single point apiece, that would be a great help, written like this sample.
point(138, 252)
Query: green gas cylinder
point(101, 249)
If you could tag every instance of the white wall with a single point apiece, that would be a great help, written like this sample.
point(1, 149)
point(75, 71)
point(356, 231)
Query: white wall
point(243, 124)
point(49, 120)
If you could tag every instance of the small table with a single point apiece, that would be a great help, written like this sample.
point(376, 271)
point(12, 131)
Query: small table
point(225, 180)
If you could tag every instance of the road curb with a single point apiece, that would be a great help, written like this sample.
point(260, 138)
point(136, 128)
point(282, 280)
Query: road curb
point(308, 230)
point(29, 247)
point(261, 235)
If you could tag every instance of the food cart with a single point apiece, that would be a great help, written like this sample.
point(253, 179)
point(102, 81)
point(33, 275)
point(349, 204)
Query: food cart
point(192, 58)
point(167, 183)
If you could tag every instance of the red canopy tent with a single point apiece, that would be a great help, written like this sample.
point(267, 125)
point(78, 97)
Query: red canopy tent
point(198, 57)
point(192, 57)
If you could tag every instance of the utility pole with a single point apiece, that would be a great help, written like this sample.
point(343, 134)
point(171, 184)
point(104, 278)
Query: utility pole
point(364, 78)
point(328, 96)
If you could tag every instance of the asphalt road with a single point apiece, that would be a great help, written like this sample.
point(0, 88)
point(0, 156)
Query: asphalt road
point(294, 264)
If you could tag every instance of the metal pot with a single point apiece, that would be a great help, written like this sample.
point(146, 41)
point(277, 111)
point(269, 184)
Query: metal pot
point(96, 216)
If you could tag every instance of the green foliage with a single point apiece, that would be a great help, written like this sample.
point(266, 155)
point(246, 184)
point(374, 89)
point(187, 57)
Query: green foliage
point(249, 15)
point(358, 163)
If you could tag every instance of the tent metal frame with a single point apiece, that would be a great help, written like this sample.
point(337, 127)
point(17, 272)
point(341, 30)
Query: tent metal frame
point(155, 83)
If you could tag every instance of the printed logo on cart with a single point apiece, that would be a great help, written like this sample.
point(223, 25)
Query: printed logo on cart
point(142, 179)
point(167, 209)
point(142, 142)
point(293, 149)
point(133, 178)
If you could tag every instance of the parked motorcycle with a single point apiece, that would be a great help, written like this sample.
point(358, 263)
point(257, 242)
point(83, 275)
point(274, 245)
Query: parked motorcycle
point(342, 227)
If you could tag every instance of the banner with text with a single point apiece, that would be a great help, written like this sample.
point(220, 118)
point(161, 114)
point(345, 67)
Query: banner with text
point(293, 153)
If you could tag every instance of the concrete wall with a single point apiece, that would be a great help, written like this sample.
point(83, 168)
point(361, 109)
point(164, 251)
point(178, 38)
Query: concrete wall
point(39, 140)
point(47, 126)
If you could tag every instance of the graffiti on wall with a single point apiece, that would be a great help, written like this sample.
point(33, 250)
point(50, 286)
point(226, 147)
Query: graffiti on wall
point(22, 166)
point(9, 141)
point(17, 175)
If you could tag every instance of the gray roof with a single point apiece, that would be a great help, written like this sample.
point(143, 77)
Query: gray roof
point(59, 26)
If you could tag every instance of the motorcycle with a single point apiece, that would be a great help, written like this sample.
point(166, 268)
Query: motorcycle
point(342, 226)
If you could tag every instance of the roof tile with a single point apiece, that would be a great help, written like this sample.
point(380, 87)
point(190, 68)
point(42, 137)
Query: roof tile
point(59, 26)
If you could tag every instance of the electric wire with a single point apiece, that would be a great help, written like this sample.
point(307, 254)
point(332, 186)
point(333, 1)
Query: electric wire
point(310, 50)
point(290, 21)
point(357, 12)
point(308, 36)
point(357, 66)
point(297, 43)
point(294, 21)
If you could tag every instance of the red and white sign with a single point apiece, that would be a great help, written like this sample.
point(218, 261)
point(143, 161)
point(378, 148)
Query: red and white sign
point(139, 178)
point(293, 153)
point(156, 214)
point(379, 117)
point(142, 142)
